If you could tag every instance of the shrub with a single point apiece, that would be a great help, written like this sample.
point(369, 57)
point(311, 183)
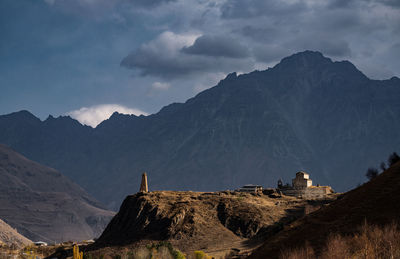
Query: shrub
point(383, 166)
point(369, 243)
point(201, 255)
point(165, 248)
point(371, 173)
point(306, 252)
point(393, 158)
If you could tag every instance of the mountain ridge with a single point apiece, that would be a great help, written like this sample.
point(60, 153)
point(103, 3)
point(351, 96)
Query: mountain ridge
point(306, 113)
point(43, 204)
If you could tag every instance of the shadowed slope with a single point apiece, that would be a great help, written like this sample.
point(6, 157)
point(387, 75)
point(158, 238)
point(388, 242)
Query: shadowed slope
point(42, 204)
point(377, 202)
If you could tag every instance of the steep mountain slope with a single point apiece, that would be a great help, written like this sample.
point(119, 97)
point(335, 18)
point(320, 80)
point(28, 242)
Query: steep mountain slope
point(377, 202)
point(42, 204)
point(10, 236)
point(306, 113)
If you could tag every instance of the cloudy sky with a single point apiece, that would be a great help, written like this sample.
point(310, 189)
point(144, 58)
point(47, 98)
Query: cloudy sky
point(87, 58)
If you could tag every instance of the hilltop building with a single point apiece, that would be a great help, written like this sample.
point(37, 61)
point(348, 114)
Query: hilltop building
point(302, 187)
point(301, 181)
point(251, 188)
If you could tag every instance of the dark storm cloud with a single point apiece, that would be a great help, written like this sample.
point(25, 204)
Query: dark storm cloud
point(163, 57)
point(342, 3)
point(102, 9)
point(232, 9)
point(180, 66)
point(269, 53)
point(217, 46)
point(332, 47)
point(149, 3)
point(392, 3)
point(353, 3)
point(263, 34)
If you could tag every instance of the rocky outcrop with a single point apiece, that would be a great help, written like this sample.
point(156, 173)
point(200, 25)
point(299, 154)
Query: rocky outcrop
point(10, 237)
point(202, 221)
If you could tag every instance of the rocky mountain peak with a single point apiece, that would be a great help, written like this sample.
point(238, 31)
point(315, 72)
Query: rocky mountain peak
point(308, 59)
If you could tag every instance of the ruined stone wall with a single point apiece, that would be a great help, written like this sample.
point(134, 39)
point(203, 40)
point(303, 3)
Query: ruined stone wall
point(313, 192)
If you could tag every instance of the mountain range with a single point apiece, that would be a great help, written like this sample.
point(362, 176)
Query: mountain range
point(306, 113)
point(42, 204)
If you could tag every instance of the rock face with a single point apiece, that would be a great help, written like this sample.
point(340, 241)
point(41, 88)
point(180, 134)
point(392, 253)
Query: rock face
point(199, 221)
point(306, 113)
point(376, 202)
point(10, 236)
point(42, 204)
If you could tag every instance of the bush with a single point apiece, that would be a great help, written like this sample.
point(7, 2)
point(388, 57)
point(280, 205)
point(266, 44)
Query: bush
point(306, 252)
point(383, 166)
point(166, 250)
point(371, 173)
point(370, 242)
point(393, 159)
point(201, 255)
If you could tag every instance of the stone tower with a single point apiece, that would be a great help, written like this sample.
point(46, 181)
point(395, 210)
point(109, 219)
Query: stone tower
point(143, 185)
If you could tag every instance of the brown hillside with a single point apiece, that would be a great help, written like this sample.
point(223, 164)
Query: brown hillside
point(377, 202)
point(10, 236)
point(217, 222)
point(42, 204)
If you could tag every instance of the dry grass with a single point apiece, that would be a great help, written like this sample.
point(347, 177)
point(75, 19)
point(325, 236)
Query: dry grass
point(306, 252)
point(371, 242)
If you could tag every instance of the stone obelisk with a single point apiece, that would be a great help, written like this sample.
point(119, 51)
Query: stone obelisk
point(143, 185)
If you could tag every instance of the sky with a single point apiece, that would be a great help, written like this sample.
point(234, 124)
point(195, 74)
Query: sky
point(89, 58)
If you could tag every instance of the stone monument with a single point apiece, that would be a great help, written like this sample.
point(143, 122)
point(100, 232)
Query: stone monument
point(143, 184)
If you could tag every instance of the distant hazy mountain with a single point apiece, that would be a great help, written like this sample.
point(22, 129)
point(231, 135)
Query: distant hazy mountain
point(306, 113)
point(42, 204)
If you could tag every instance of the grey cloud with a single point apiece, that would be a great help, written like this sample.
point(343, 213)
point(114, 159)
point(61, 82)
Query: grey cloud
point(335, 48)
point(232, 9)
point(182, 65)
point(101, 9)
point(270, 53)
point(162, 58)
point(264, 34)
point(343, 3)
point(217, 46)
point(354, 3)
point(392, 3)
point(149, 3)
point(269, 30)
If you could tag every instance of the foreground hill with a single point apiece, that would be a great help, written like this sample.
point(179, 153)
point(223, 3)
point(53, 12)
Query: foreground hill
point(10, 236)
point(306, 113)
point(42, 204)
point(376, 202)
point(218, 223)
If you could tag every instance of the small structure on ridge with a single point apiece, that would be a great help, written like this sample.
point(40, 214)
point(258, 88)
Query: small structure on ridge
point(302, 187)
point(143, 185)
point(302, 180)
point(250, 188)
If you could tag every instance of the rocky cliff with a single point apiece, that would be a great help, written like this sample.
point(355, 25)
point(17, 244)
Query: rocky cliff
point(218, 222)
